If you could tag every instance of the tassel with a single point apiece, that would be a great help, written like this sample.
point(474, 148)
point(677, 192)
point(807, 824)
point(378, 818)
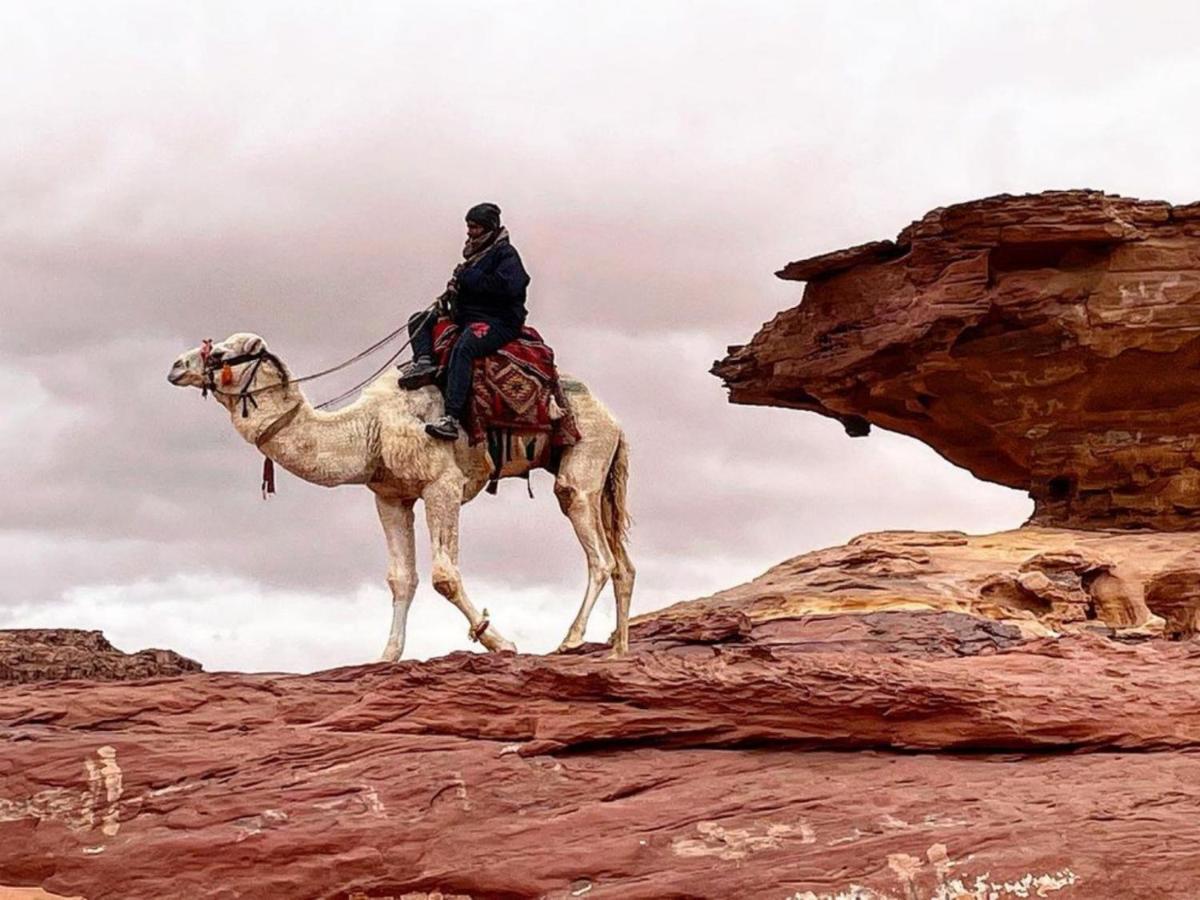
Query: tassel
point(268, 477)
point(226, 375)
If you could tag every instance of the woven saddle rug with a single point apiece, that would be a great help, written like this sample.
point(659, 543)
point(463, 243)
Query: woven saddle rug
point(514, 391)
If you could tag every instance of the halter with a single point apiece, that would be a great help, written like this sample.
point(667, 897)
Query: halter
point(245, 394)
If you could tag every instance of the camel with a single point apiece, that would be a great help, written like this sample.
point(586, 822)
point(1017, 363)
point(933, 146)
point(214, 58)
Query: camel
point(379, 441)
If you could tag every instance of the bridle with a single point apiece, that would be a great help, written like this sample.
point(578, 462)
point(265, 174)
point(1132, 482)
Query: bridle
point(245, 394)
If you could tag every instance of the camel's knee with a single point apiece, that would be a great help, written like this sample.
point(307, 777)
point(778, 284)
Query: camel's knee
point(403, 585)
point(446, 580)
point(624, 572)
point(599, 571)
point(566, 495)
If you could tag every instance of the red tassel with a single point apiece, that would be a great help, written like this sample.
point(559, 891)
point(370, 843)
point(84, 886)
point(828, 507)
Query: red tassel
point(226, 375)
point(268, 477)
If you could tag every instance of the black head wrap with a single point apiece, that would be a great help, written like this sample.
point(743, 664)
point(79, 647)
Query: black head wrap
point(485, 214)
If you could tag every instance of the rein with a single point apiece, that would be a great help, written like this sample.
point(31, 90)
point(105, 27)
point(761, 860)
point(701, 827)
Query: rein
point(247, 394)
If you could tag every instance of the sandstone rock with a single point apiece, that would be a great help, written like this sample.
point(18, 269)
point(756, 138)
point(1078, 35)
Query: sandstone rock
point(711, 764)
point(1035, 581)
point(1046, 342)
point(55, 654)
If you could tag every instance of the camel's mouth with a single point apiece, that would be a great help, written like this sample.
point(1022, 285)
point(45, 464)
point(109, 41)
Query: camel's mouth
point(180, 374)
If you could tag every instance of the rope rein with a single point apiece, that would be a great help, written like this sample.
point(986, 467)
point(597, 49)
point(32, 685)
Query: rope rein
point(247, 394)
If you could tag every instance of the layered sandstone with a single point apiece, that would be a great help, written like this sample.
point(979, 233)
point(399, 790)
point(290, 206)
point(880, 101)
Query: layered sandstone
point(1048, 342)
point(57, 654)
point(734, 754)
point(1038, 581)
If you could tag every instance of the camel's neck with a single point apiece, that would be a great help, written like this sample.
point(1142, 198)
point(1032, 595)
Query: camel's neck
point(324, 448)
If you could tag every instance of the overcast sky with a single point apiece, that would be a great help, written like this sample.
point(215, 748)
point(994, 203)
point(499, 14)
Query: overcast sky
point(170, 172)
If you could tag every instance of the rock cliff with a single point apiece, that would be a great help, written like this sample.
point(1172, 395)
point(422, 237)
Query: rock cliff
point(1048, 342)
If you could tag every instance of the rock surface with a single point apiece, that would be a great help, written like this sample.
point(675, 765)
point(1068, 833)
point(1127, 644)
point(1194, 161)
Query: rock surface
point(712, 763)
point(1035, 581)
point(1047, 342)
point(56, 654)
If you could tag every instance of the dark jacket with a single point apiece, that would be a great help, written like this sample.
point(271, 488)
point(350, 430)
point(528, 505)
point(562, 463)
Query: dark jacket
point(493, 290)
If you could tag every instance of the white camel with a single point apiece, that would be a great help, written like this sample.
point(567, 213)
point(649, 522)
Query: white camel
point(379, 441)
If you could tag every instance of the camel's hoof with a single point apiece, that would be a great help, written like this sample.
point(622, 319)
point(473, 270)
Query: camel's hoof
point(569, 643)
point(618, 654)
point(504, 647)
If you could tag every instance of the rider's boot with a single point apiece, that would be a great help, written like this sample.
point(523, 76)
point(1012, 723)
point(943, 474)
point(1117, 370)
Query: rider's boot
point(444, 429)
point(420, 372)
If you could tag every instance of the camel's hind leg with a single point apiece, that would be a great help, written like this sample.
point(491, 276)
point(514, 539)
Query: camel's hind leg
point(443, 500)
point(622, 578)
point(582, 507)
point(396, 516)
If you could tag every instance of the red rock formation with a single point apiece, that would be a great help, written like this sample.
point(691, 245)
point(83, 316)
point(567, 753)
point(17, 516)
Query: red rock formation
point(55, 654)
point(1039, 581)
point(1048, 342)
point(712, 763)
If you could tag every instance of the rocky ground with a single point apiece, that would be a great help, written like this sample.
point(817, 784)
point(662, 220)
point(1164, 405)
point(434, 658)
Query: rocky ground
point(749, 747)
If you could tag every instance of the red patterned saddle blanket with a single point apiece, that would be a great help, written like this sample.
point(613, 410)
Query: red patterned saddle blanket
point(513, 390)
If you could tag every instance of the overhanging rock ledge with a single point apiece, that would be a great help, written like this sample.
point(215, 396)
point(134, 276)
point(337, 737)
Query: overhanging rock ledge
point(1048, 342)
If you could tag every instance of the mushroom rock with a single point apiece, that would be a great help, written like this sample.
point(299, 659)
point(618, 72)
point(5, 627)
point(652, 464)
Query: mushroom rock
point(1048, 342)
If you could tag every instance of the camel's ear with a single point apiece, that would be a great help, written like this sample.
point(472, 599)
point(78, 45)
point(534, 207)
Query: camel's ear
point(254, 345)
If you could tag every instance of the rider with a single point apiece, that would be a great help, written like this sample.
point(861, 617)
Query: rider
point(485, 297)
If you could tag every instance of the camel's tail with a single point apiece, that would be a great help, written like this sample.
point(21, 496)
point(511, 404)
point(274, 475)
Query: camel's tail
point(614, 505)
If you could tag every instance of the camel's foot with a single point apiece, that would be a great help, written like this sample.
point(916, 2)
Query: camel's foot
point(390, 654)
point(497, 644)
point(618, 653)
point(573, 640)
point(491, 639)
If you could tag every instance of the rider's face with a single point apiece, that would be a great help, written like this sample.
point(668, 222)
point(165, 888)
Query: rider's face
point(474, 230)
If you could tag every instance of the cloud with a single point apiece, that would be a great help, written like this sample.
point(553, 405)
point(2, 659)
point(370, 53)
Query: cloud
point(179, 171)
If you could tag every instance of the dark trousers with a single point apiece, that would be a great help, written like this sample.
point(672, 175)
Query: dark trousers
point(420, 333)
point(475, 340)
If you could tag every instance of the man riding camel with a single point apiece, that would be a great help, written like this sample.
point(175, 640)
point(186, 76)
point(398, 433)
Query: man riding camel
point(485, 297)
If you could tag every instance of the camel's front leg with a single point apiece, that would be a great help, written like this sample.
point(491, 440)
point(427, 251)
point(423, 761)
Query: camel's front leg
point(396, 516)
point(443, 499)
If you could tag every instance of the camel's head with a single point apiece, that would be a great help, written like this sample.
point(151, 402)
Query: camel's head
point(195, 368)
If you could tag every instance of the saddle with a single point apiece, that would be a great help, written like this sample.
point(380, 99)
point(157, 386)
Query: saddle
point(514, 391)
